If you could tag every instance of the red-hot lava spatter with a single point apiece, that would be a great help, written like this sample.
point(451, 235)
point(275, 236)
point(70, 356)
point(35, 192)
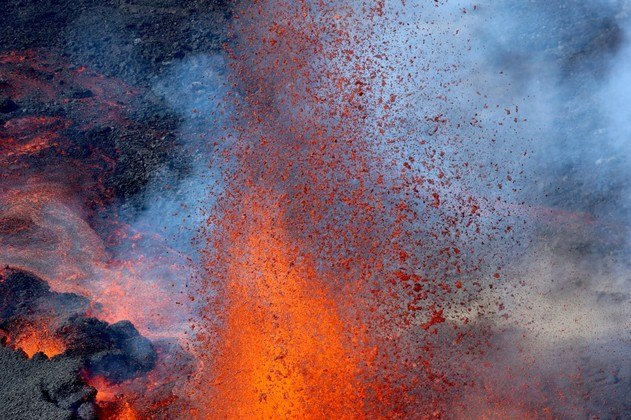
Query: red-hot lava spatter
point(339, 263)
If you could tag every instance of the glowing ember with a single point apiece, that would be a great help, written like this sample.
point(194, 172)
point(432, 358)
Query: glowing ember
point(127, 413)
point(111, 400)
point(106, 391)
point(39, 340)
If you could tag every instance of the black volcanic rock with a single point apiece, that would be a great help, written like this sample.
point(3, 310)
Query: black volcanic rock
point(116, 351)
point(25, 298)
point(42, 388)
point(135, 39)
point(7, 105)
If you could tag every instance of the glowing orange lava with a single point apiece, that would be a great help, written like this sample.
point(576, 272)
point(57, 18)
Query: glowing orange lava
point(111, 400)
point(127, 413)
point(39, 340)
point(106, 392)
point(285, 352)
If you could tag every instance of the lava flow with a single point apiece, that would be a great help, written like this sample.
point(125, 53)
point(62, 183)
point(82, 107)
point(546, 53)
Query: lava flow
point(60, 230)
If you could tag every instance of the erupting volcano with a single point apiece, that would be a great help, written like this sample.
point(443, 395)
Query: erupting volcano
point(314, 209)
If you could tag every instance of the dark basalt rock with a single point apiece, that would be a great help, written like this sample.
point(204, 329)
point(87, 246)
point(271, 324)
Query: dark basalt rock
point(133, 39)
point(116, 351)
point(24, 298)
point(42, 388)
point(7, 105)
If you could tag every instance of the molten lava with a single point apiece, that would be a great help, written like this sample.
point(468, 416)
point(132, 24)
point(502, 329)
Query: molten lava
point(111, 400)
point(285, 351)
point(38, 339)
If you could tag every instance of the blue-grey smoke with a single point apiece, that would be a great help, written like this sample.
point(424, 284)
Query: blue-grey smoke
point(538, 93)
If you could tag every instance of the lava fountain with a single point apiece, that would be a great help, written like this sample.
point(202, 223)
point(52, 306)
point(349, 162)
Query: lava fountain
point(285, 352)
point(333, 287)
